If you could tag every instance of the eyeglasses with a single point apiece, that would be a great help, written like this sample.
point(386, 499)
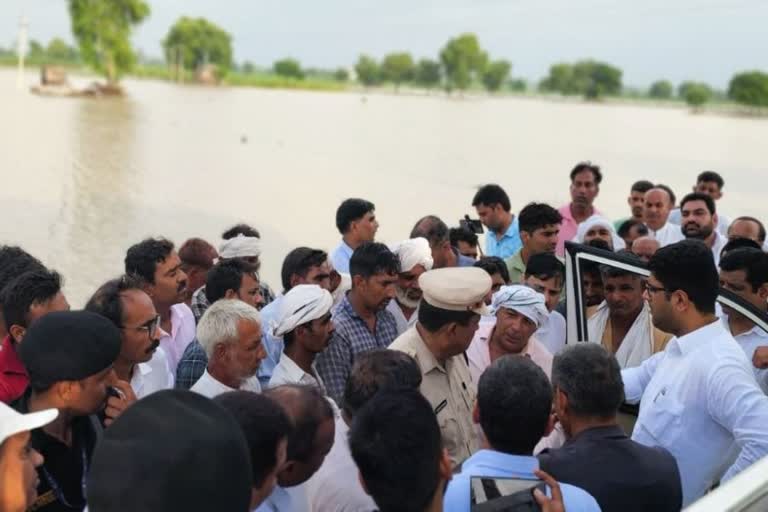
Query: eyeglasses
point(654, 289)
point(150, 327)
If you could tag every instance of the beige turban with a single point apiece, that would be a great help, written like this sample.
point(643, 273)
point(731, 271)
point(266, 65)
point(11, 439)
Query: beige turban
point(415, 251)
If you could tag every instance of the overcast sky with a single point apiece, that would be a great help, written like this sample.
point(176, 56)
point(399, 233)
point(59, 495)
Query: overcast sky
point(674, 39)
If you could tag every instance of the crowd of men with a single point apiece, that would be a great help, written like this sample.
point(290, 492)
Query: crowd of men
point(424, 375)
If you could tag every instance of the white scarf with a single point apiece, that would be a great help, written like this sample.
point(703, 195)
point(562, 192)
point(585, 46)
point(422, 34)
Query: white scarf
point(637, 345)
point(240, 246)
point(302, 304)
point(412, 252)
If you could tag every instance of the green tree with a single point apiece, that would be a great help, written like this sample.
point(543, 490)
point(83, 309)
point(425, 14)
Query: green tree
point(495, 74)
point(368, 71)
point(198, 42)
point(58, 50)
point(697, 94)
point(289, 68)
point(682, 89)
point(463, 60)
point(749, 88)
point(341, 75)
point(661, 89)
point(248, 67)
point(102, 29)
point(590, 78)
point(518, 85)
point(36, 50)
point(397, 68)
point(560, 79)
point(427, 73)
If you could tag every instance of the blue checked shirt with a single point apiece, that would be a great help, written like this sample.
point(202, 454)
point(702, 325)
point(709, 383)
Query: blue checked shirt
point(351, 337)
point(200, 303)
point(191, 365)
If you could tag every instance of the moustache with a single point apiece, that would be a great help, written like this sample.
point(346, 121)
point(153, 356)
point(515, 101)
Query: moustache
point(152, 347)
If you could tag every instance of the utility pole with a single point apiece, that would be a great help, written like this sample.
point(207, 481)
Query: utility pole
point(21, 51)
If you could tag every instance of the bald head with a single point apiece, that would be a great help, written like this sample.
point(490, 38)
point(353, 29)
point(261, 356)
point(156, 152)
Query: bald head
point(658, 204)
point(645, 247)
point(437, 234)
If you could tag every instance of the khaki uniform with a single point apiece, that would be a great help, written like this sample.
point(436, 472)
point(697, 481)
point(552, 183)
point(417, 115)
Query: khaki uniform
point(449, 389)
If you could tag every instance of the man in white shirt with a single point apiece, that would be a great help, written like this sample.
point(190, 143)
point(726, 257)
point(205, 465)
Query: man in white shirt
point(335, 488)
point(156, 262)
point(698, 398)
point(659, 201)
point(415, 257)
point(308, 445)
point(744, 271)
point(711, 184)
point(141, 361)
point(304, 324)
point(699, 220)
point(230, 334)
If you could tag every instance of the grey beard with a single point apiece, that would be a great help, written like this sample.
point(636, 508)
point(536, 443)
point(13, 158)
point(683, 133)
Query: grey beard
point(403, 299)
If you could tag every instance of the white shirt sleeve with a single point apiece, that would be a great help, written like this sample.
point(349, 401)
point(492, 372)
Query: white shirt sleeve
point(637, 378)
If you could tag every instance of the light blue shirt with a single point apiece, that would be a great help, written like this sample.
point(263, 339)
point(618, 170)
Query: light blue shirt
point(273, 345)
point(497, 464)
point(340, 257)
point(509, 244)
point(291, 499)
point(699, 400)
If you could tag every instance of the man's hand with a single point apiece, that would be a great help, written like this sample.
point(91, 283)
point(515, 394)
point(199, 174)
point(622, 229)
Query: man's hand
point(760, 358)
point(553, 504)
point(116, 405)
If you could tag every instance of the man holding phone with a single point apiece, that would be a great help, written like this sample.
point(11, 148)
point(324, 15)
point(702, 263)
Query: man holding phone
point(494, 209)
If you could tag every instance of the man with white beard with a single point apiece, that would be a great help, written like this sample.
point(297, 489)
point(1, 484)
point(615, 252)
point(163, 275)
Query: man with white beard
point(415, 258)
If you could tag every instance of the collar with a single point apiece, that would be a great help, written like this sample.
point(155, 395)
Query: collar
point(426, 359)
point(347, 308)
point(694, 340)
point(598, 433)
point(510, 232)
point(9, 358)
point(516, 261)
point(292, 370)
point(345, 248)
point(214, 382)
point(516, 464)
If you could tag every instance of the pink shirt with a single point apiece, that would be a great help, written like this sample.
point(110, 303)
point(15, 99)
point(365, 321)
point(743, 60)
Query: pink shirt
point(568, 228)
point(182, 333)
point(479, 353)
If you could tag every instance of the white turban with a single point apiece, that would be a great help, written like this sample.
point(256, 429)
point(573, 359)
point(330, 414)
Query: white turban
point(240, 246)
point(302, 304)
point(526, 301)
point(415, 251)
point(597, 220)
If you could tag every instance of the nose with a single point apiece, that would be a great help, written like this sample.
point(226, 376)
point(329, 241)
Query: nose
point(646, 295)
point(37, 458)
point(258, 299)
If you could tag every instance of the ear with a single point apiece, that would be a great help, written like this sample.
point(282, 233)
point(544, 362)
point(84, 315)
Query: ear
point(525, 237)
point(149, 289)
point(295, 280)
point(17, 332)
point(762, 292)
point(715, 219)
point(358, 281)
point(230, 294)
point(446, 467)
point(66, 390)
point(362, 483)
point(476, 414)
point(220, 350)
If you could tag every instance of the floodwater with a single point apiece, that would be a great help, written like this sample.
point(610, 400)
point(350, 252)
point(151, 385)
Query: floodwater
point(84, 179)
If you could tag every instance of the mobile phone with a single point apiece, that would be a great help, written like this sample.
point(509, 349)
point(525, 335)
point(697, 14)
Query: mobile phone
point(471, 225)
point(503, 493)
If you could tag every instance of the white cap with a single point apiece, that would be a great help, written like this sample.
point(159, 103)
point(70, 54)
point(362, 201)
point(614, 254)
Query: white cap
point(12, 422)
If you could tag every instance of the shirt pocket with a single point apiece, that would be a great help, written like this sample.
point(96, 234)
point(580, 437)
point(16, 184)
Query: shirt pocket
point(451, 434)
point(665, 420)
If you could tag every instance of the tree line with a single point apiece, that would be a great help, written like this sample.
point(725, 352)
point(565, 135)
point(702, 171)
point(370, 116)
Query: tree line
point(102, 31)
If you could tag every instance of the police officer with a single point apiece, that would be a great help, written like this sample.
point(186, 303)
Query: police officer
point(448, 317)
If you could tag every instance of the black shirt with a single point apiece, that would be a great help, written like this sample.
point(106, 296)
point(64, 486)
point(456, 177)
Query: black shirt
point(621, 474)
point(62, 475)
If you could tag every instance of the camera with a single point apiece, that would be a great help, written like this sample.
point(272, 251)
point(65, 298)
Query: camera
point(471, 225)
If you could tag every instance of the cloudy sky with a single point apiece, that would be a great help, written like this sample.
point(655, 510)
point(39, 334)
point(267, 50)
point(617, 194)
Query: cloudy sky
point(674, 39)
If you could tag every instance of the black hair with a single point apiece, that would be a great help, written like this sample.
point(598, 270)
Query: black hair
point(457, 235)
point(351, 210)
point(698, 196)
point(107, 301)
point(494, 265)
point(711, 177)
point(515, 400)
point(753, 262)
point(545, 266)
point(375, 371)
point(591, 267)
point(760, 227)
point(240, 229)
point(14, 261)
point(30, 288)
point(738, 243)
point(398, 458)
point(669, 191)
point(197, 252)
point(373, 258)
point(307, 408)
point(587, 166)
point(688, 266)
point(490, 195)
point(627, 225)
point(299, 262)
point(227, 275)
point(590, 377)
point(641, 186)
point(431, 228)
point(607, 271)
point(264, 425)
point(432, 318)
point(536, 216)
point(141, 259)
